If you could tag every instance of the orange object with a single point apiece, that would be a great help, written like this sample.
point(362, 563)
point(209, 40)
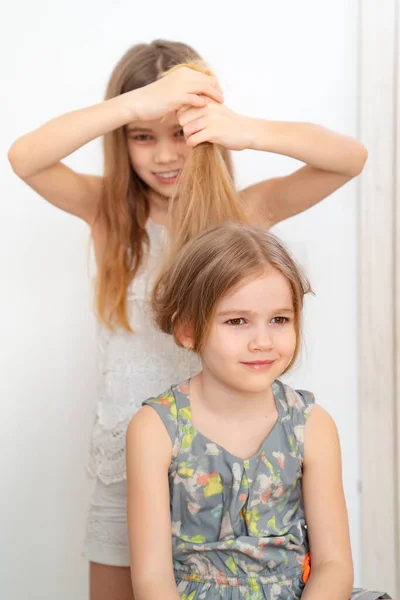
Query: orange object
point(306, 568)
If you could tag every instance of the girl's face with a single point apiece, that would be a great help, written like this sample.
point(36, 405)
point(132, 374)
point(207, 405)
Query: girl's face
point(252, 336)
point(157, 151)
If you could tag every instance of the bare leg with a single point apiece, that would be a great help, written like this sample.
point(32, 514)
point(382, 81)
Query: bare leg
point(110, 583)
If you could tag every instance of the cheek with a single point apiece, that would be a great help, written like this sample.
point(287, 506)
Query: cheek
point(286, 341)
point(227, 341)
point(216, 344)
point(139, 157)
point(184, 150)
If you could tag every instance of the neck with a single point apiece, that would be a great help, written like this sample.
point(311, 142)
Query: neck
point(158, 208)
point(227, 402)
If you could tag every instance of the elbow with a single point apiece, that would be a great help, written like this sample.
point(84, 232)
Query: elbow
point(146, 588)
point(338, 570)
point(347, 570)
point(360, 158)
point(349, 583)
point(14, 158)
point(18, 157)
point(348, 577)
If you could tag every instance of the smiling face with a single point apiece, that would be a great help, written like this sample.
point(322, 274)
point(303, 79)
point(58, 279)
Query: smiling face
point(157, 151)
point(252, 335)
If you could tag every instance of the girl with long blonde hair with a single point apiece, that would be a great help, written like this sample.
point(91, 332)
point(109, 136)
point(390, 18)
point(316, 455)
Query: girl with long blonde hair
point(150, 124)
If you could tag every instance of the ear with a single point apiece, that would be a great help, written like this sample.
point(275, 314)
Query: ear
point(183, 333)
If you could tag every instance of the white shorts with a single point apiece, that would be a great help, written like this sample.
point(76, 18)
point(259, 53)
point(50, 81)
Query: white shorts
point(107, 529)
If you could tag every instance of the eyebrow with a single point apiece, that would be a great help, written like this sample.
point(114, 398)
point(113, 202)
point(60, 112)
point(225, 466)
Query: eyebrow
point(236, 311)
point(138, 129)
point(148, 130)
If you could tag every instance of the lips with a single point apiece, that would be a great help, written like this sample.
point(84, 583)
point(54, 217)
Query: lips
point(167, 176)
point(259, 365)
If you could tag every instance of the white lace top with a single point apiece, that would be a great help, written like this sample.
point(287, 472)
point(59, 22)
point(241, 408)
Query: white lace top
point(132, 368)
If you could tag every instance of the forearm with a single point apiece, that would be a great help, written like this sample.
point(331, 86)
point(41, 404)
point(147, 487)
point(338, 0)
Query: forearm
point(330, 581)
point(312, 144)
point(61, 136)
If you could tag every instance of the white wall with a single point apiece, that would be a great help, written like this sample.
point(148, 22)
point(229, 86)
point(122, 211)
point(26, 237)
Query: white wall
point(284, 60)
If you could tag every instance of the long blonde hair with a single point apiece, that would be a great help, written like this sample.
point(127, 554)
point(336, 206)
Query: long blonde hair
point(206, 194)
point(124, 207)
point(211, 265)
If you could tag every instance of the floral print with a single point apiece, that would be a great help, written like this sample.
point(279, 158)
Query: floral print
point(238, 526)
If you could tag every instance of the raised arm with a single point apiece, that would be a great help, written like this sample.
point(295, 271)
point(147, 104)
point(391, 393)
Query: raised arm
point(330, 159)
point(36, 156)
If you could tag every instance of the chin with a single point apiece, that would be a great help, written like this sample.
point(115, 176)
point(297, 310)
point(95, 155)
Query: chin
point(252, 385)
point(165, 190)
point(259, 386)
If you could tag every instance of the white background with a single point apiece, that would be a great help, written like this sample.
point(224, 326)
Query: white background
point(284, 60)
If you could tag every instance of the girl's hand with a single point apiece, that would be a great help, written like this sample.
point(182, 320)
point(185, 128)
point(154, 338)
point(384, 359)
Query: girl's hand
point(217, 124)
point(182, 87)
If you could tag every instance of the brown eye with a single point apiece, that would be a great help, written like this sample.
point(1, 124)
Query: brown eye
point(280, 320)
point(142, 137)
point(238, 321)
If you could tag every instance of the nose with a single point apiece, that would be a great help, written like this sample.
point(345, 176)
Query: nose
point(166, 152)
point(261, 340)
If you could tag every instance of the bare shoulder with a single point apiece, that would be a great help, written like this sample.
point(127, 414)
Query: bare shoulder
point(320, 418)
point(145, 417)
point(147, 430)
point(321, 435)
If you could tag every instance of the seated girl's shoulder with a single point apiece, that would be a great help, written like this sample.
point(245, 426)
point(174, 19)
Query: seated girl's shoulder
point(153, 429)
point(164, 407)
point(300, 404)
point(164, 402)
point(297, 403)
point(156, 415)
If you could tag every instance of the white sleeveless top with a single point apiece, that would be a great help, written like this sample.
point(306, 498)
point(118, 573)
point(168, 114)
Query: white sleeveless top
point(133, 367)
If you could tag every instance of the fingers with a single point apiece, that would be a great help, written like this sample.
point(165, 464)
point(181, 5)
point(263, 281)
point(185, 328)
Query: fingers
point(209, 80)
point(214, 94)
point(182, 111)
point(193, 100)
point(189, 114)
point(201, 83)
point(214, 83)
point(189, 109)
point(209, 86)
point(193, 127)
point(197, 138)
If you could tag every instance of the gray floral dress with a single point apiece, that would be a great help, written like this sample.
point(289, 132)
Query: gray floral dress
point(238, 526)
